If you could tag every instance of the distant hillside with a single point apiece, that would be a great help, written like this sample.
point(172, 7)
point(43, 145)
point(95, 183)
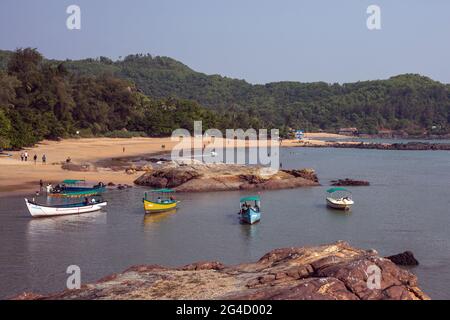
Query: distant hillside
point(410, 102)
point(41, 99)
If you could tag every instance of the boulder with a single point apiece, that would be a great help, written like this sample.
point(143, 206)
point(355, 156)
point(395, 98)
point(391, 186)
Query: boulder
point(199, 177)
point(329, 272)
point(404, 259)
point(349, 182)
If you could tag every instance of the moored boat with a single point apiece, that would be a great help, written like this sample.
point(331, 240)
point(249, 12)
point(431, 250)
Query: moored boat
point(74, 189)
point(339, 198)
point(160, 201)
point(45, 210)
point(250, 211)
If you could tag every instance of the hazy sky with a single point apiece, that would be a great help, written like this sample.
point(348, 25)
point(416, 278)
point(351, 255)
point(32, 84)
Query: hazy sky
point(256, 40)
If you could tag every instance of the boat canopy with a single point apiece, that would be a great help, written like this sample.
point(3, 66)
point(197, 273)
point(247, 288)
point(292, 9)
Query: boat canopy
point(332, 190)
point(163, 191)
point(72, 181)
point(252, 198)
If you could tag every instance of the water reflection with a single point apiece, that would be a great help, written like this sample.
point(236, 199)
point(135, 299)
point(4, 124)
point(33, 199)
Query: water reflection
point(67, 223)
point(150, 219)
point(249, 232)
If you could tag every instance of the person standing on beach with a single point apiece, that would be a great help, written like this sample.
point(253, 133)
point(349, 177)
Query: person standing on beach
point(21, 156)
point(123, 149)
point(44, 159)
point(26, 156)
point(35, 158)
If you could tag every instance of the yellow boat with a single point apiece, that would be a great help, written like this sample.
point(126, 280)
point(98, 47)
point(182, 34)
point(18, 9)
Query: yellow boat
point(161, 203)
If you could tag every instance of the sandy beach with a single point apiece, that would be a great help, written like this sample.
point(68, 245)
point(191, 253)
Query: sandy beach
point(20, 176)
point(17, 175)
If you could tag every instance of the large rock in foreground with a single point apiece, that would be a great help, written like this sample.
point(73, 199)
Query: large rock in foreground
point(335, 271)
point(224, 177)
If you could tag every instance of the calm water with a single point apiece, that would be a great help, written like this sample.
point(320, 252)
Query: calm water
point(405, 208)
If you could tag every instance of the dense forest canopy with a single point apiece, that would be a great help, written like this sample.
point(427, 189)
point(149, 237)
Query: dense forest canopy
point(42, 98)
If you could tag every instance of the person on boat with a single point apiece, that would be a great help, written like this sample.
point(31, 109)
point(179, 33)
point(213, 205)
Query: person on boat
point(86, 201)
point(41, 185)
point(68, 160)
point(158, 200)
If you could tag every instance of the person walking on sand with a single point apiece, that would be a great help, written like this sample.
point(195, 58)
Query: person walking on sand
point(123, 149)
point(44, 159)
point(26, 156)
point(21, 156)
point(35, 158)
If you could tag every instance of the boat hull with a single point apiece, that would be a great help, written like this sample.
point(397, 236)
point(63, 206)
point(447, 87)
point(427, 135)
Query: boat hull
point(155, 207)
point(339, 204)
point(47, 211)
point(250, 216)
point(77, 194)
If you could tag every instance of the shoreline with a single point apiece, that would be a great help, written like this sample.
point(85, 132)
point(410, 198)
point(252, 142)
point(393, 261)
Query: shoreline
point(91, 160)
point(104, 159)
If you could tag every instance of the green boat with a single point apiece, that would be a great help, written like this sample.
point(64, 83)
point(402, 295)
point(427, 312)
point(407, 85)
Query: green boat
point(71, 188)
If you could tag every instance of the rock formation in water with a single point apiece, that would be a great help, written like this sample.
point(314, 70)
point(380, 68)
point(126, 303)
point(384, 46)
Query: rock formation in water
point(349, 182)
point(199, 177)
point(404, 259)
point(337, 271)
point(420, 146)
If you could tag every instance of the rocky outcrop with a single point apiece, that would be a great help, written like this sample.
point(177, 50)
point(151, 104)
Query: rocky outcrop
point(223, 177)
point(404, 259)
point(337, 271)
point(420, 146)
point(349, 182)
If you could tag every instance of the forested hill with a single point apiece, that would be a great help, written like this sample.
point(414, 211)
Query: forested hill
point(41, 99)
point(411, 103)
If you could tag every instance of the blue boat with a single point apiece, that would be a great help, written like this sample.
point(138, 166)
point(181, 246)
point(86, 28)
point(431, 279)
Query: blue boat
point(250, 209)
point(75, 188)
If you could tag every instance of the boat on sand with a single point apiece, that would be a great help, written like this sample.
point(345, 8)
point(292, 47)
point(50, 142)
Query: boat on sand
point(75, 189)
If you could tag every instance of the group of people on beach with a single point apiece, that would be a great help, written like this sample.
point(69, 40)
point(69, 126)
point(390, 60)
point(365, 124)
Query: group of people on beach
point(24, 157)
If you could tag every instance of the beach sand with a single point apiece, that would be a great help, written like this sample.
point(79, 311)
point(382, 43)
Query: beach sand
point(19, 176)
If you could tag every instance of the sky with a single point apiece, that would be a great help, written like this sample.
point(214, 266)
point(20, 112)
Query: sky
point(259, 41)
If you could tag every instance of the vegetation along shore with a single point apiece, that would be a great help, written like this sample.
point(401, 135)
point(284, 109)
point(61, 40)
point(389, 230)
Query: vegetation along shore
point(142, 95)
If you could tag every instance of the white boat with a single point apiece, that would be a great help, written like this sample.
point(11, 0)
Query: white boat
point(339, 198)
point(39, 210)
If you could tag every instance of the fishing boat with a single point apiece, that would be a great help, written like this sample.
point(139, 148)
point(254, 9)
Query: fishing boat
point(160, 201)
point(75, 189)
point(339, 198)
point(44, 210)
point(250, 211)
